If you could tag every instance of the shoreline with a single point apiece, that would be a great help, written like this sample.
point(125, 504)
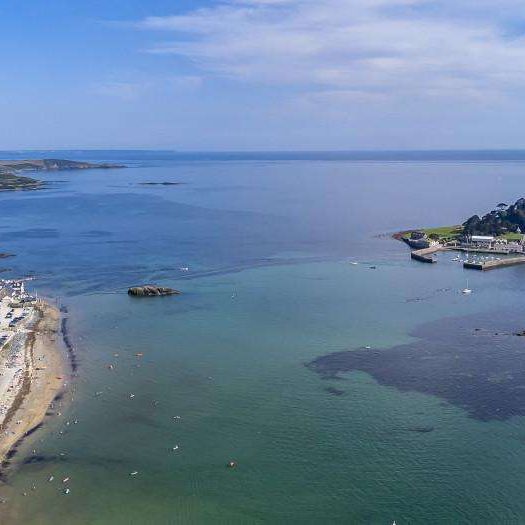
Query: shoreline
point(39, 376)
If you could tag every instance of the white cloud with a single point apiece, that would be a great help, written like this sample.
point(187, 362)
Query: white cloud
point(399, 48)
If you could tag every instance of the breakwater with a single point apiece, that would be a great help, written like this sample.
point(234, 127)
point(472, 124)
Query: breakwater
point(491, 265)
point(425, 254)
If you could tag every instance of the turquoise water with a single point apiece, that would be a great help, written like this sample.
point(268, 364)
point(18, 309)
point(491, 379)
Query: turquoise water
point(222, 375)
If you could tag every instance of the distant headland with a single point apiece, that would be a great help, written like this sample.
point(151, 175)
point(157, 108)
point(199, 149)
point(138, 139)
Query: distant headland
point(499, 232)
point(11, 179)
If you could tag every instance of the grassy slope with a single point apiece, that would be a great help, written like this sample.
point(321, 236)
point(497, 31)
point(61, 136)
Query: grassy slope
point(444, 231)
point(450, 232)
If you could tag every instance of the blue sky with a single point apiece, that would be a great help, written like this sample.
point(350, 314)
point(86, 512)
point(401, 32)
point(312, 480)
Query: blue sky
point(262, 74)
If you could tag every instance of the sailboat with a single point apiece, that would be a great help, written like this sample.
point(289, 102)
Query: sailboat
point(466, 290)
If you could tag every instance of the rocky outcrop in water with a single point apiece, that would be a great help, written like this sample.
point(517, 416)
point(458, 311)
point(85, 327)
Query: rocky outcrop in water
point(150, 290)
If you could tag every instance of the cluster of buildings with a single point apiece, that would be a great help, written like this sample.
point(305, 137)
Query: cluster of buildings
point(15, 290)
point(419, 240)
point(491, 243)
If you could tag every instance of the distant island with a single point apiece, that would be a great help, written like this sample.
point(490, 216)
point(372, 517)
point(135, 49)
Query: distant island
point(11, 179)
point(164, 183)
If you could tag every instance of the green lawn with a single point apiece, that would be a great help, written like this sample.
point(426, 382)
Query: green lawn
point(444, 232)
point(450, 232)
point(512, 236)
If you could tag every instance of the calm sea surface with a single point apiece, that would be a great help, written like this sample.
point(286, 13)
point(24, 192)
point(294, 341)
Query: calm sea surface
point(223, 375)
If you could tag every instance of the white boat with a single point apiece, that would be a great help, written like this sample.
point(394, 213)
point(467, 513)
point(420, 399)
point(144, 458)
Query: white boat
point(466, 290)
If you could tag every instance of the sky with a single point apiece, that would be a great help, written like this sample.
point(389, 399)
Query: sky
point(262, 74)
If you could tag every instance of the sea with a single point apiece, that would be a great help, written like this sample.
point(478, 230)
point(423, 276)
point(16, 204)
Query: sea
point(347, 383)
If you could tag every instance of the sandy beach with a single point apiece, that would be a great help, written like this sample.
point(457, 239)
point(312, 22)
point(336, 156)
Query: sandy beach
point(32, 369)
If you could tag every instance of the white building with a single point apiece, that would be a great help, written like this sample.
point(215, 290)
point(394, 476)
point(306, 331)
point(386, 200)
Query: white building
point(482, 240)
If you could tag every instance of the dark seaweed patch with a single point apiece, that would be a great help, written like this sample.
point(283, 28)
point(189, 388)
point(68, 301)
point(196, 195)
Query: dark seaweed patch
point(34, 429)
point(31, 460)
point(481, 371)
point(11, 454)
point(69, 345)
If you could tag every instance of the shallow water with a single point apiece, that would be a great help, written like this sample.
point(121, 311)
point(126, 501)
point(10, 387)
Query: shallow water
point(223, 376)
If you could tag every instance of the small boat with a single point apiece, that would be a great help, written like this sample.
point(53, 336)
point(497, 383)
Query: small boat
point(466, 290)
point(134, 473)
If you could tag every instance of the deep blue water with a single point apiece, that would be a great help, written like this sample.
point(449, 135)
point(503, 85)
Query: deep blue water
point(267, 239)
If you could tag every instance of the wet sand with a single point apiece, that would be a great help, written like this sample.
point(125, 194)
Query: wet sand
point(42, 370)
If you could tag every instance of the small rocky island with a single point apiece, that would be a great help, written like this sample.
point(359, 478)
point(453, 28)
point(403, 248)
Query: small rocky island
point(151, 290)
point(163, 183)
point(11, 179)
